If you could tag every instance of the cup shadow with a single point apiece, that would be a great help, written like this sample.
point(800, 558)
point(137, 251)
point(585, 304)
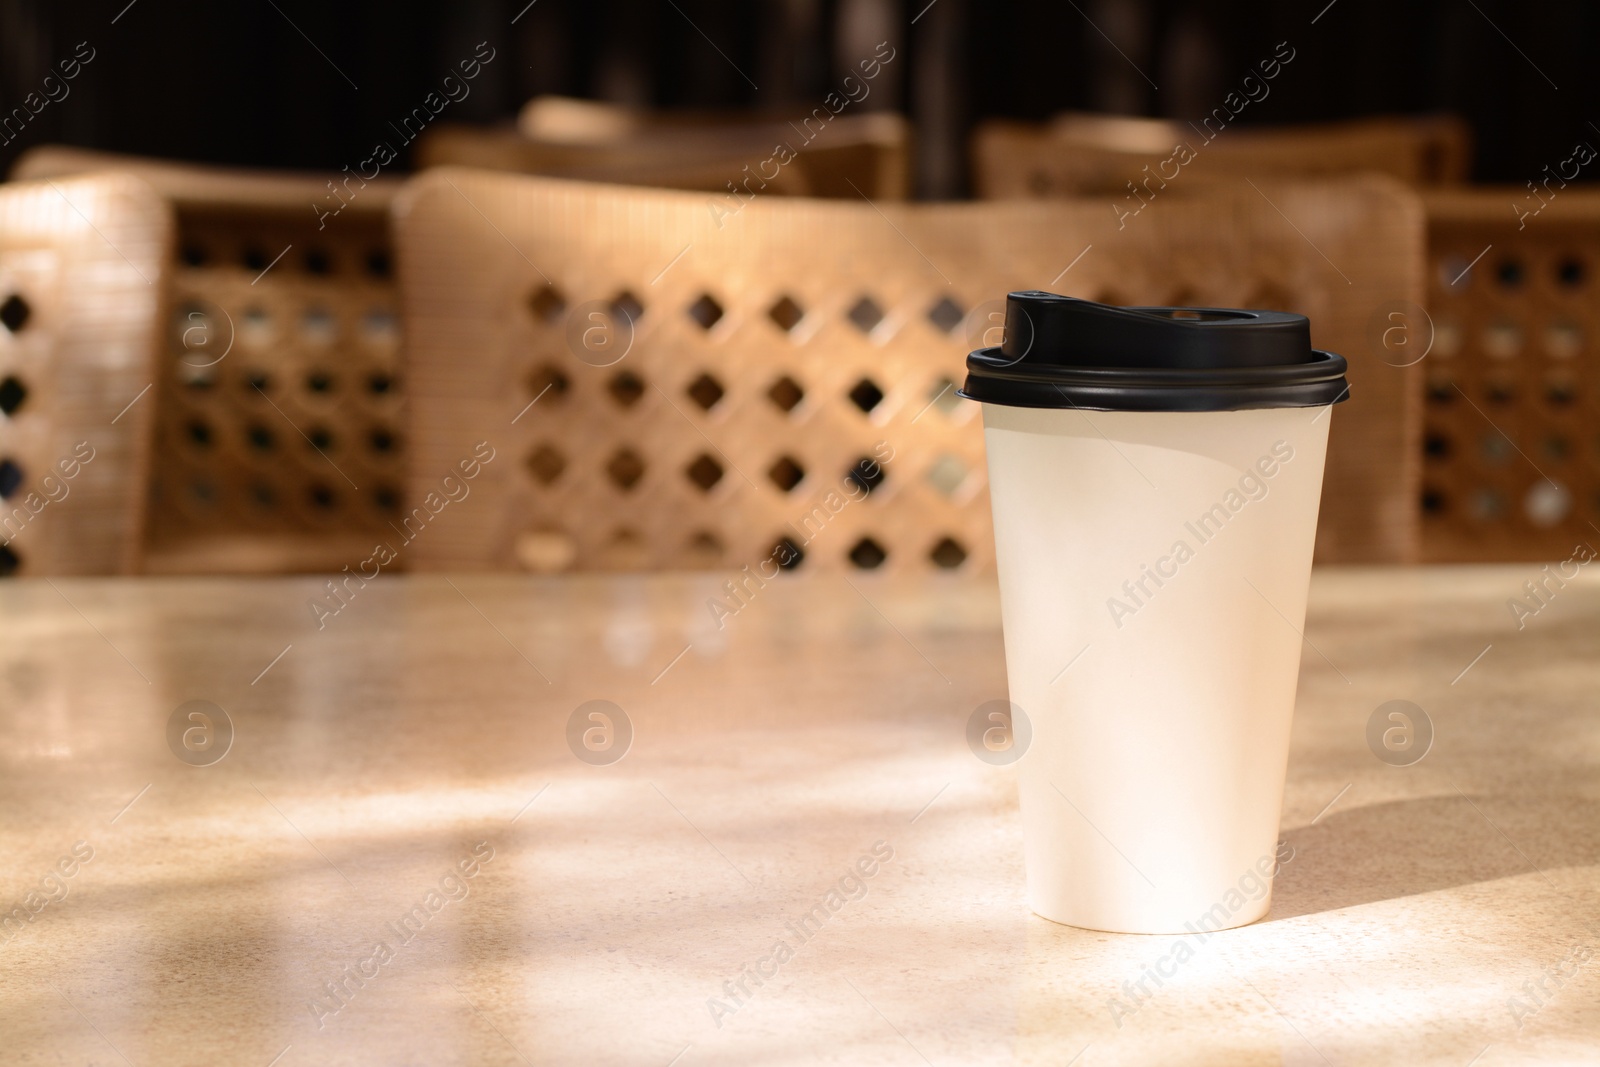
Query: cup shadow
point(1409, 847)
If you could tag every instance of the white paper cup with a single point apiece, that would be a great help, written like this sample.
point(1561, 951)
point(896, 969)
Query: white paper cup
point(1153, 573)
point(1152, 788)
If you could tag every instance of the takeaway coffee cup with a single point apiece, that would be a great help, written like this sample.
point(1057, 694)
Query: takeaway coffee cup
point(1155, 475)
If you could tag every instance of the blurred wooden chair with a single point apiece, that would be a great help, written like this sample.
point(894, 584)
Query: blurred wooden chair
point(660, 392)
point(1512, 468)
point(83, 264)
point(845, 156)
point(277, 442)
point(1085, 154)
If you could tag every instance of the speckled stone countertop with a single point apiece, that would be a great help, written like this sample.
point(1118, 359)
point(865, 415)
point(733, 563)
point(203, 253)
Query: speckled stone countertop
point(398, 856)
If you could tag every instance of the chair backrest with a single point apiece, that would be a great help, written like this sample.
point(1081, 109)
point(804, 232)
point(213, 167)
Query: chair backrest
point(1083, 154)
point(1513, 400)
point(278, 442)
point(840, 155)
point(664, 389)
point(82, 270)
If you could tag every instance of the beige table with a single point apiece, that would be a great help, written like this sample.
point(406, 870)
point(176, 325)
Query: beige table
point(371, 758)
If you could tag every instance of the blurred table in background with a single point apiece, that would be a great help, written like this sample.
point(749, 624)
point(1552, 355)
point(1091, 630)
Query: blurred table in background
point(825, 153)
point(610, 903)
point(1088, 154)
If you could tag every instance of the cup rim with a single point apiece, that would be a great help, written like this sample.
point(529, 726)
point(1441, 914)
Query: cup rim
point(993, 378)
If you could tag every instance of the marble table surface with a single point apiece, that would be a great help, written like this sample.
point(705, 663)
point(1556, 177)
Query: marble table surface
point(389, 841)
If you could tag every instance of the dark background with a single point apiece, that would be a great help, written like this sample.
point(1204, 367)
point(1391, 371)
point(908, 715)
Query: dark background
point(254, 82)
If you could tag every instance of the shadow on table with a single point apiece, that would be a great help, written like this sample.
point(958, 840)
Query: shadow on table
point(1408, 847)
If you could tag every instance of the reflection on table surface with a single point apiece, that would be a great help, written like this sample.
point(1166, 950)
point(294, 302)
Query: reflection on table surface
point(411, 851)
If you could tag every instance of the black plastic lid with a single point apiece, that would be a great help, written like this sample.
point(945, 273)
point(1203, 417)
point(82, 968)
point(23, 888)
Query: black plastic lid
point(1061, 352)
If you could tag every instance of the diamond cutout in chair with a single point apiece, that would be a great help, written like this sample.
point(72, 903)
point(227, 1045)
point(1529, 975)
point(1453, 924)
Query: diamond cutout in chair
point(786, 474)
point(625, 469)
point(787, 554)
point(866, 395)
point(547, 304)
point(626, 388)
point(867, 473)
point(705, 546)
point(868, 554)
point(865, 314)
point(786, 313)
point(10, 478)
point(946, 315)
point(943, 396)
point(12, 394)
point(549, 378)
point(705, 472)
point(706, 311)
point(627, 305)
point(14, 313)
point(706, 391)
point(786, 394)
point(545, 463)
point(947, 475)
point(948, 554)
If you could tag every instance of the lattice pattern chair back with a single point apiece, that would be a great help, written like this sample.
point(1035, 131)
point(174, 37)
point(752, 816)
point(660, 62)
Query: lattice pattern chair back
point(833, 155)
point(772, 356)
point(82, 267)
point(1081, 154)
point(1512, 468)
point(278, 442)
